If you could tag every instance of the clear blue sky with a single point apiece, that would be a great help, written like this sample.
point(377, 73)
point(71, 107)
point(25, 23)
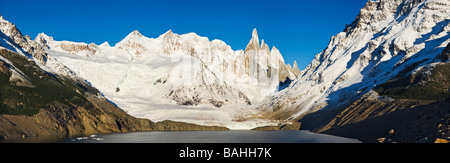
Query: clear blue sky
point(298, 28)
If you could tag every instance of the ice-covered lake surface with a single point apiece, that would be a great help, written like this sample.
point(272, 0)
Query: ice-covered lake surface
point(233, 136)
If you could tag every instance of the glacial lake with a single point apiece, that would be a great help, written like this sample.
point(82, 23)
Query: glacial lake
point(233, 136)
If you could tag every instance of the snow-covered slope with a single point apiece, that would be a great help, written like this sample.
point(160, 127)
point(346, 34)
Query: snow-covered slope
point(387, 39)
point(178, 77)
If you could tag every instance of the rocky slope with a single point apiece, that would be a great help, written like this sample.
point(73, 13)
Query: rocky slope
point(387, 39)
point(384, 78)
point(419, 111)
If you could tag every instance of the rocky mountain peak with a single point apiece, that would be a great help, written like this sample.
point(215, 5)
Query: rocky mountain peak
point(375, 12)
point(43, 39)
point(133, 35)
point(255, 34)
point(277, 54)
point(254, 42)
point(136, 33)
point(260, 56)
point(132, 42)
point(295, 65)
point(2, 20)
point(264, 46)
point(169, 32)
point(168, 35)
point(19, 43)
point(105, 44)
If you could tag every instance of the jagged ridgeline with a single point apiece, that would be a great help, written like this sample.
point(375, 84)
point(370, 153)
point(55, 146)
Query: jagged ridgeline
point(26, 88)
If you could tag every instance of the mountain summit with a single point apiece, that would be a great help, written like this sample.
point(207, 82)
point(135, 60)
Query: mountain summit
point(257, 54)
point(254, 42)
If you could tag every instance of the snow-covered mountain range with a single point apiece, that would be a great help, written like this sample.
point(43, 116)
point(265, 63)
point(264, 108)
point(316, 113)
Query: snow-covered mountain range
point(388, 38)
point(190, 78)
point(173, 77)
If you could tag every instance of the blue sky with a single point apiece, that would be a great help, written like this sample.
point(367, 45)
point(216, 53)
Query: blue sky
point(298, 28)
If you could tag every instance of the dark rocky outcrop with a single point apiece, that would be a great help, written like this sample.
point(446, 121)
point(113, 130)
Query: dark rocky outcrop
point(445, 55)
point(284, 126)
point(400, 121)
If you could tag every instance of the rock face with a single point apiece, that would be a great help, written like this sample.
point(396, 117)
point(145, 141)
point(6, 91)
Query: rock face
point(260, 57)
point(3, 67)
point(213, 94)
point(292, 126)
point(69, 47)
point(445, 56)
point(21, 44)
